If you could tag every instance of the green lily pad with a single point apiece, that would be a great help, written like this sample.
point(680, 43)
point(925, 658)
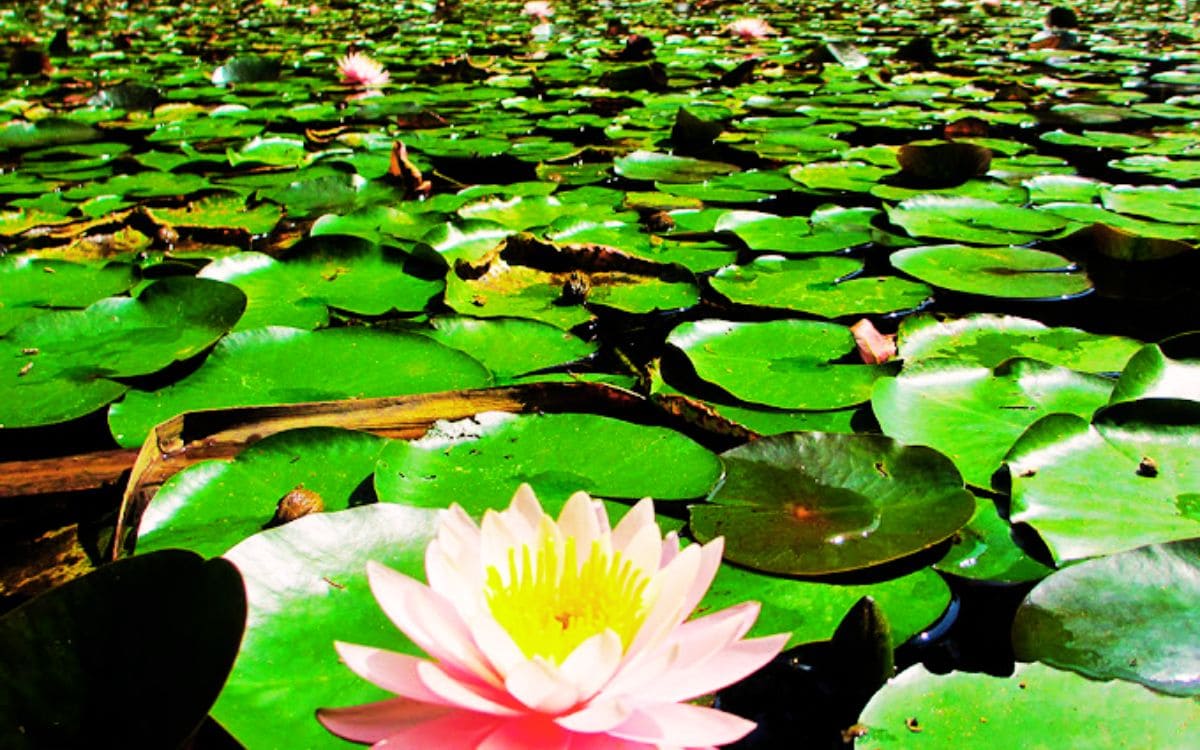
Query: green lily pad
point(220, 211)
point(51, 131)
point(510, 347)
point(655, 167)
point(1156, 202)
point(477, 462)
point(840, 176)
point(973, 413)
point(786, 364)
point(306, 587)
point(1128, 478)
point(122, 633)
point(346, 273)
point(1037, 707)
point(287, 366)
point(812, 610)
point(973, 220)
point(989, 340)
point(467, 241)
point(818, 503)
point(28, 285)
point(762, 231)
point(823, 286)
point(60, 365)
point(1130, 616)
point(984, 550)
point(1152, 374)
point(213, 505)
point(1007, 272)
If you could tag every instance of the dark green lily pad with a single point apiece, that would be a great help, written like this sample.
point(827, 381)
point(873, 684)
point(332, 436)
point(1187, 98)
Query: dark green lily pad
point(991, 339)
point(818, 503)
point(160, 631)
point(1037, 707)
point(973, 413)
point(287, 366)
point(478, 462)
point(1008, 272)
point(213, 505)
point(1130, 616)
point(1129, 478)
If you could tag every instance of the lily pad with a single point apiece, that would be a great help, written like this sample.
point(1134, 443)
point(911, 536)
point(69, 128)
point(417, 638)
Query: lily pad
point(818, 503)
point(220, 211)
point(1036, 707)
point(29, 285)
point(161, 630)
point(989, 340)
point(1007, 272)
point(786, 364)
point(985, 550)
point(973, 413)
point(213, 505)
point(1152, 374)
point(477, 462)
point(1130, 616)
point(1128, 478)
point(510, 347)
point(60, 365)
point(287, 366)
point(656, 167)
point(973, 220)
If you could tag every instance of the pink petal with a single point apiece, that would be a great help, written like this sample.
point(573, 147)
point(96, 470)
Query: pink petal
point(473, 697)
point(541, 687)
point(637, 517)
point(456, 730)
point(606, 742)
point(372, 722)
point(670, 548)
point(682, 724)
point(710, 562)
point(724, 668)
point(497, 645)
point(534, 733)
point(430, 621)
point(597, 716)
point(673, 584)
point(873, 347)
point(644, 550)
point(396, 673)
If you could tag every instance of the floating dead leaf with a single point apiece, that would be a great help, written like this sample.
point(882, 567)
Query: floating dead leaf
point(403, 171)
point(874, 347)
point(298, 503)
point(944, 164)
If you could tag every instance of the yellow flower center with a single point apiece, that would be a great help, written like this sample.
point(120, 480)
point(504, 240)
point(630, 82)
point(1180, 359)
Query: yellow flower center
point(549, 603)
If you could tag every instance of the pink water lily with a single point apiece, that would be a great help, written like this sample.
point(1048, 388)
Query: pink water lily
point(539, 9)
point(555, 635)
point(751, 28)
point(360, 70)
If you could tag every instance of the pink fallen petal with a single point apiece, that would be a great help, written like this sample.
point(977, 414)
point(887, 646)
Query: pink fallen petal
point(874, 347)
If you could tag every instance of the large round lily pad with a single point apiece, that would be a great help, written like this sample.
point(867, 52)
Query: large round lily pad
point(288, 366)
point(1129, 478)
point(1152, 374)
point(1037, 708)
point(159, 632)
point(306, 587)
point(973, 220)
point(28, 285)
point(1130, 616)
point(816, 503)
point(786, 364)
point(509, 347)
point(656, 167)
point(479, 461)
point(1008, 272)
point(973, 414)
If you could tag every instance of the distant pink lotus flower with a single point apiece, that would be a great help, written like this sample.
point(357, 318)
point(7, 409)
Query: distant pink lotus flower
point(554, 635)
point(751, 28)
point(360, 70)
point(539, 9)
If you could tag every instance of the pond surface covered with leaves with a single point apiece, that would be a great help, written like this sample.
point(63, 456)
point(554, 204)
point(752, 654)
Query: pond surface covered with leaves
point(894, 297)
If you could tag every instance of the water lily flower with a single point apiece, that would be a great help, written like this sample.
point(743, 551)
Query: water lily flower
point(360, 70)
point(539, 9)
point(751, 28)
point(556, 635)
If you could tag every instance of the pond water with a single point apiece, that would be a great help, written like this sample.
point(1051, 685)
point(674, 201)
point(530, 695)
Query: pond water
point(924, 275)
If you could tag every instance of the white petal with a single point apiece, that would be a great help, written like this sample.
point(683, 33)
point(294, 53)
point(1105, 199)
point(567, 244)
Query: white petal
point(478, 698)
point(710, 562)
point(596, 716)
point(672, 585)
point(637, 517)
point(494, 642)
point(396, 673)
point(541, 686)
point(593, 663)
point(723, 668)
point(644, 550)
point(578, 519)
